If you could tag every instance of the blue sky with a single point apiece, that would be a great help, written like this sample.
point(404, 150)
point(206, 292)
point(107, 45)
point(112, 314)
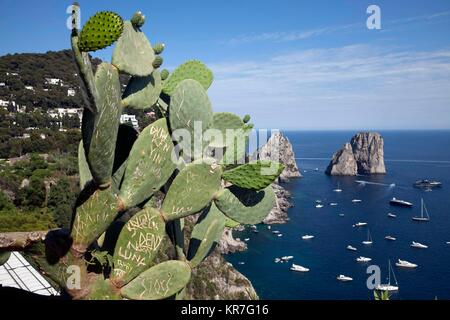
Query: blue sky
point(290, 64)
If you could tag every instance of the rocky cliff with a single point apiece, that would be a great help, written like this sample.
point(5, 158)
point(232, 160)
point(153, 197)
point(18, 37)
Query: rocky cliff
point(363, 155)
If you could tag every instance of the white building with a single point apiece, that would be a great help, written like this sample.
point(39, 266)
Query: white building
point(71, 93)
point(2, 84)
point(29, 88)
point(129, 118)
point(53, 81)
point(59, 113)
point(12, 74)
point(4, 103)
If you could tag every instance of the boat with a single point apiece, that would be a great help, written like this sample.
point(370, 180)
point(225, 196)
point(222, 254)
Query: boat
point(280, 235)
point(287, 258)
point(360, 224)
point(402, 203)
point(343, 278)
point(241, 262)
point(318, 201)
point(307, 237)
point(391, 238)
point(319, 206)
point(405, 264)
point(427, 184)
point(388, 286)
point(341, 215)
point(369, 238)
point(356, 200)
point(333, 204)
point(246, 239)
point(338, 189)
point(269, 227)
point(255, 230)
point(418, 245)
point(253, 226)
point(448, 242)
point(349, 247)
point(299, 268)
point(277, 260)
point(422, 210)
point(391, 215)
point(275, 232)
point(363, 259)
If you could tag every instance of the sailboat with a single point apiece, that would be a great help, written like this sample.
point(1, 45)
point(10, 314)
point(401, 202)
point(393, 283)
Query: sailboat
point(422, 210)
point(369, 238)
point(338, 189)
point(388, 286)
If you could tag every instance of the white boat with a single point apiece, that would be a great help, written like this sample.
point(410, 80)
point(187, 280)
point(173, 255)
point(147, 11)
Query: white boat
point(363, 259)
point(448, 242)
point(318, 201)
point(423, 210)
point(338, 189)
point(390, 238)
point(299, 268)
point(343, 278)
point(241, 263)
point(280, 235)
point(360, 224)
point(418, 245)
point(405, 264)
point(333, 204)
point(316, 169)
point(369, 238)
point(402, 203)
point(269, 227)
point(319, 206)
point(275, 232)
point(287, 258)
point(351, 248)
point(246, 239)
point(391, 215)
point(307, 237)
point(253, 226)
point(341, 215)
point(388, 286)
point(277, 260)
point(356, 200)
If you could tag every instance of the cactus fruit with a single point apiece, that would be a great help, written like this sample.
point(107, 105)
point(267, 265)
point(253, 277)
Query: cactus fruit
point(83, 167)
point(158, 282)
point(133, 53)
point(192, 190)
point(192, 69)
point(227, 123)
point(206, 232)
point(149, 164)
point(138, 20)
point(159, 48)
point(246, 206)
point(137, 245)
point(246, 118)
point(255, 175)
point(142, 92)
point(164, 74)
point(100, 31)
point(157, 62)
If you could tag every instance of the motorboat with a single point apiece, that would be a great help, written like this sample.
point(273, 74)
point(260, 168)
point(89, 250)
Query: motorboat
point(307, 237)
point(423, 210)
point(405, 264)
point(351, 248)
point(298, 268)
point(319, 206)
point(356, 200)
point(369, 239)
point(341, 215)
point(360, 224)
point(241, 262)
point(427, 184)
point(333, 204)
point(338, 189)
point(363, 259)
point(246, 239)
point(343, 278)
point(388, 286)
point(418, 245)
point(287, 258)
point(402, 203)
point(390, 238)
point(279, 235)
point(391, 215)
point(275, 232)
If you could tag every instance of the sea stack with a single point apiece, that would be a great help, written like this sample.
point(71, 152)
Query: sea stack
point(363, 155)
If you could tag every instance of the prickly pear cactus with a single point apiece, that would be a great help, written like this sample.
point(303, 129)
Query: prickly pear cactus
point(254, 175)
point(194, 70)
point(143, 92)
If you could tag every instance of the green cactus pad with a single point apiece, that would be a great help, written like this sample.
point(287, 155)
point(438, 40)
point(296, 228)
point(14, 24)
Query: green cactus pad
point(102, 144)
point(164, 74)
point(137, 245)
point(93, 218)
point(103, 290)
point(100, 31)
point(246, 118)
point(246, 206)
point(133, 53)
point(4, 257)
point(158, 282)
point(255, 175)
point(206, 232)
point(224, 121)
point(235, 152)
point(149, 164)
point(190, 106)
point(192, 190)
point(192, 69)
point(159, 48)
point(83, 167)
point(158, 62)
point(138, 20)
point(143, 92)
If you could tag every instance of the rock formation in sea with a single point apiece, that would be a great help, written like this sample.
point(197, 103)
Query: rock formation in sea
point(363, 155)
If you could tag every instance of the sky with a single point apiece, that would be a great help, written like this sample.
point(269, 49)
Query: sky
point(306, 65)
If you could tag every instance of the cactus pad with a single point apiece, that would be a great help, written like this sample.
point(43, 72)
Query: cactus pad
point(246, 118)
point(225, 121)
point(137, 245)
point(133, 53)
point(138, 20)
point(158, 62)
point(100, 31)
point(230, 223)
point(235, 152)
point(4, 257)
point(192, 190)
point(83, 167)
point(206, 232)
point(164, 74)
point(255, 175)
point(143, 92)
point(192, 69)
point(246, 206)
point(159, 48)
point(190, 107)
point(149, 164)
point(158, 282)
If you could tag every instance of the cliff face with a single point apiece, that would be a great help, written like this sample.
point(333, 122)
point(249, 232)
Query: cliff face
point(363, 155)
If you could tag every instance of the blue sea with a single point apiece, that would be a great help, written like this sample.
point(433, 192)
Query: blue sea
point(409, 156)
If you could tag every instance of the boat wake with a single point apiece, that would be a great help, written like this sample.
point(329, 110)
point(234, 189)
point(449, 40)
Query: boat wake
point(363, 182)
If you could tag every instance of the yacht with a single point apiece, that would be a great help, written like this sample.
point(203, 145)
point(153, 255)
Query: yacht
point(360, 224)
point(275, 232)
point(363, 259)
point(351, 248)
point(246, 239)
point(423, 210)
point(391, 215)
point(319, 206)
point(338, 189)
point(418, 245)
point(388, 286)
point(343, 278)
point(280, 235)
point(341, 215)
point(356, 200)
point(390, 238)
point(428, 184)
point(287, 258)
point(307, 237)
point(369, 238)
point(333, 204)
point(299, 268)
point(405, 264)
point(398, 202)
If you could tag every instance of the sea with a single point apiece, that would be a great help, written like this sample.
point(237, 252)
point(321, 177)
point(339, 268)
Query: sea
point(409, 156)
